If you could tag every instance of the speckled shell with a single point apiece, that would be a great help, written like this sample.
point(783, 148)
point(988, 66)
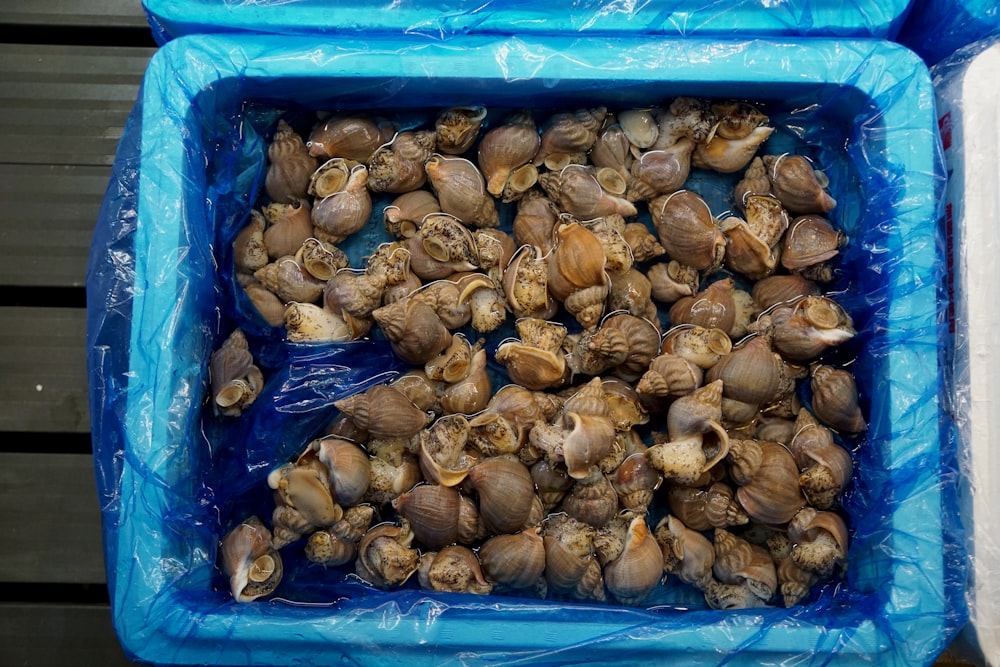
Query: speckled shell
point(457, 128)
point(253, 565)
point(290, 166)
point(398, 166)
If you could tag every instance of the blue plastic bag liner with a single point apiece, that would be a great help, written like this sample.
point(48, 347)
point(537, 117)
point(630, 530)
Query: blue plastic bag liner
point(934, 29)
point(436, 21)
point(967, 117)
point(174, 477)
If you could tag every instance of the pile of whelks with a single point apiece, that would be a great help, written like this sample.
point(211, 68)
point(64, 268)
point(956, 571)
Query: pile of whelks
point(624, 449)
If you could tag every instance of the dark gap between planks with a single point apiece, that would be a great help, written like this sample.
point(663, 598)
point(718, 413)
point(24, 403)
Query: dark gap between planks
point(42, 296)
point(76, 36)
point(54, 593)
point(40, 442)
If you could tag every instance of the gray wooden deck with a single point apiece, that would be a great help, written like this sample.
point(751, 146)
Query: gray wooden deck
point(69, 75)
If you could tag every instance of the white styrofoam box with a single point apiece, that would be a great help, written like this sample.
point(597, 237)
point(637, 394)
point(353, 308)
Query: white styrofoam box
point(968, 99)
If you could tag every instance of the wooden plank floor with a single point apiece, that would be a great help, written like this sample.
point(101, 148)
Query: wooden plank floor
point(69, 75)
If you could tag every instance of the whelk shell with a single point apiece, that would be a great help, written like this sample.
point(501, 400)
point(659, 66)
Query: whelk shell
point(349, 469)
point(290, 167)
point(321, 258)
point(592, 499)
point(457, 128)
point(235, 379)
point(688, 230)
point(385, 557)
point(635, 481)
point(775, 290)
point(398, 166)
point(577, 191)
point(670, 281)
point(689, 117)
point(506, 493)
point(249, 249)
point(686, 552)
point(414, 329)
point(639, 126)
point(612, 150)
point(768, 478)
point(472, 393)
point(404, 214)
point(337, 216)
point(701, 508)
point(569, 134)
point(506, 148)
point(670, 375)
point(289, 225)
point(385, 412)
point(307, 322)
point(795, 182)
point(660, 172)
point(330, 177)
point(632, 576)
point(570, 564)
point(252, 564)
point(515, 560)
point(712, 308)
point(754, 182)
point(702, 346)
point(266, 303)
point(354, 138)
point(305, 488)
point(461, 190)
point(432, 511)
point(819, 540)
point(442, 245)
point(736, 119)
point(737, 561)
point(835, 399)
point(729, 155)
point(826, 466)
point(531, 365)
point(290, 280)
point(643, 242)
point(810, 326)
point(811, 240)
point(751, 373)
point(453, 569)
point(444, 458)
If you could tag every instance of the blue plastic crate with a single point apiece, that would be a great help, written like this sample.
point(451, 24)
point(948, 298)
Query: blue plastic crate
point(189, 167)
point(436, 21)
point(935, 29)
